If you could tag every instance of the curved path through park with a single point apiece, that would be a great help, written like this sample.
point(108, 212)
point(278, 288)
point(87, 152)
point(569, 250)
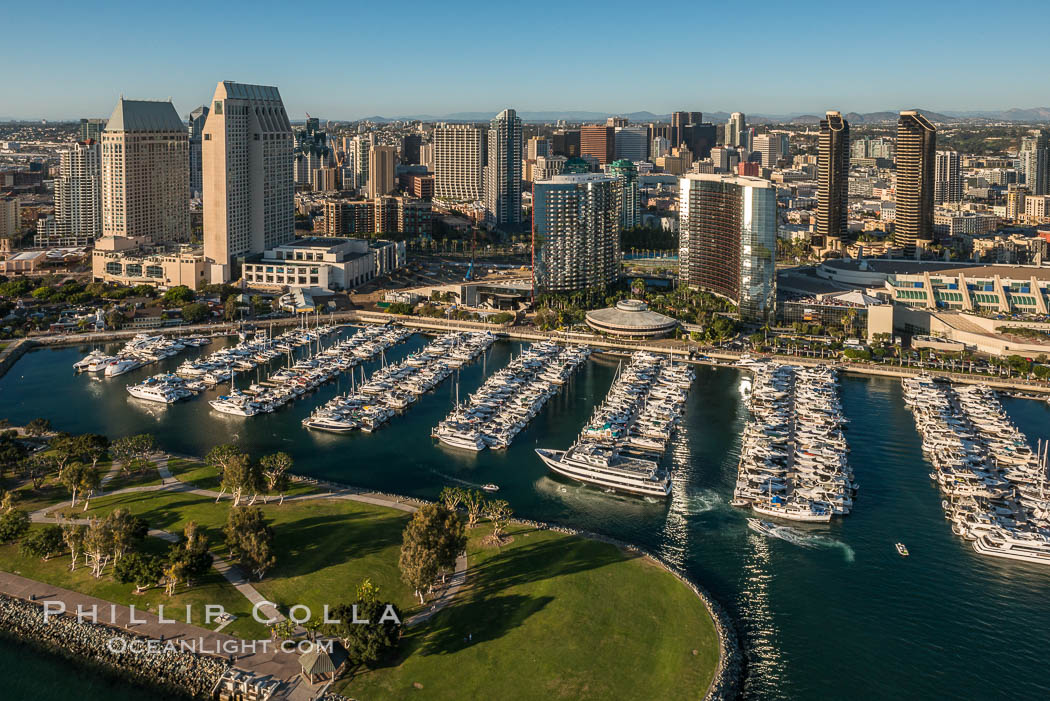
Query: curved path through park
point(230, 571)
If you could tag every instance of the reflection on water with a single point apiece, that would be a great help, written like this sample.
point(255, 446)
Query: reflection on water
point(816, 623)
point(765, 663)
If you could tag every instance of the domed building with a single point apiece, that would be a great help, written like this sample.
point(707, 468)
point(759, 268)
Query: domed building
point(631, 318)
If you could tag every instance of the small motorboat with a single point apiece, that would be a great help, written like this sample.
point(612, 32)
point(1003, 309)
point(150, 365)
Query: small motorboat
point(902, 549)
point(491, 487)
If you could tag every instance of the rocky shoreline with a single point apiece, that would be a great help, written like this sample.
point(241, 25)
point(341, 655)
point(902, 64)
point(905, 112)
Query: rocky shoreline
point(729, 674)
point(179, 674)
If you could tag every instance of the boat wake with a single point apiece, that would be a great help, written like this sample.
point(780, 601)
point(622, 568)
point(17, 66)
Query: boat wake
point(450, 478)
point(701, 503)
point(806, 540)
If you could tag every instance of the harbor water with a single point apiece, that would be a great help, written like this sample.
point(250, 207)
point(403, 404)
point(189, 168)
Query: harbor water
point(835, 614)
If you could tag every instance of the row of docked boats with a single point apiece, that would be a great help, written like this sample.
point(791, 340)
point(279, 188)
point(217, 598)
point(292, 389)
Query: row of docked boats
point(308, 373)
point(793, 453)
point(143, 349)
point(252, 350)
point(394, 388)
point(994, 484)
point(494, 415)
point(621, 446)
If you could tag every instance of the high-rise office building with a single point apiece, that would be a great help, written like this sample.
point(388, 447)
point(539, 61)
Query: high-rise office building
point(546, 167)
point(768, 148)
point(700, 138)
point(311, 151)
point(249, 186)
point(537, 146)
point(360, 148)
point(566, 142)
point(727, 237)
point(503, 170)
point(916, 147)
point(381, 163)
point(1016, 195)
point(146, 172)
point(78, 195)
point(10, 216)
point(599, 141)
point(1035, 162)
point(196, 122)
point(947, 178)
point(661, 146)
point(410, 145)
point(576, 232)
point(627, 173)
point(832, 177)
point(631, 143)
point(91, 129)
point(736, 129)
point(458, 159)
point(679, 122)
point(724, 159)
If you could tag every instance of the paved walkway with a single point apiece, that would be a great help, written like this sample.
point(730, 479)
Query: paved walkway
point(230, 571)
point(264, 662)
point(272, 662)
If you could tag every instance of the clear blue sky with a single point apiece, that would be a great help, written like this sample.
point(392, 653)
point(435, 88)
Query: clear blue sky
point(345, 59)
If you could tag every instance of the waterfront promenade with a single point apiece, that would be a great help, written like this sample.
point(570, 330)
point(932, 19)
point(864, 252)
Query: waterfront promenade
point(685, 351)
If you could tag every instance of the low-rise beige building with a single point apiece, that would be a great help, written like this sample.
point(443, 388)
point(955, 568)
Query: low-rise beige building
point(135, 261)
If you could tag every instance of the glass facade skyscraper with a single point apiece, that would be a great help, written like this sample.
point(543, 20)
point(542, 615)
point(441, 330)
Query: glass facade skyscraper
point(727, 238)
point(576, 232)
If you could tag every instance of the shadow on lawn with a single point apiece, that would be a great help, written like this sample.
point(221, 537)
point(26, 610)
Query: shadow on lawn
point(308, 544)
point(479, 621)
point(522, 564)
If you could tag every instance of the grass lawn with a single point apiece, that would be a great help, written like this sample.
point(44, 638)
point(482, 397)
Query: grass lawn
point(134, 479)
point(213, 589)
point(555, 617)
point(324, 547)
point(51, 492)
point(327, 547)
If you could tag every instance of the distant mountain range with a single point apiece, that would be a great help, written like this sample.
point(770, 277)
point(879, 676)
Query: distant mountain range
point(1014, 114)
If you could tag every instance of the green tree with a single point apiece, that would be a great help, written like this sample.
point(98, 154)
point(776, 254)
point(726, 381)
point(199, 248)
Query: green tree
point(475, 502)
point(141, 569)
point(177, 296)
point(499, 512)
point(13, 525)
point(194, 312)
point(372, 642)
point(126, 531)
point(236, 471)
point(38, 427)
point(250, 539)
point(191, 554)
point(275, 469)
point(420, 558)
point(73, 537)
point(93, 447)
point(133, 452)
point(44, 543)
point(38, 468)
point(230, 308)
point(78, 477)
point(451, 497)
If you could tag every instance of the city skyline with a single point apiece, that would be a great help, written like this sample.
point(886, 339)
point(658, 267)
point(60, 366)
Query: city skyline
point(189, 56)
